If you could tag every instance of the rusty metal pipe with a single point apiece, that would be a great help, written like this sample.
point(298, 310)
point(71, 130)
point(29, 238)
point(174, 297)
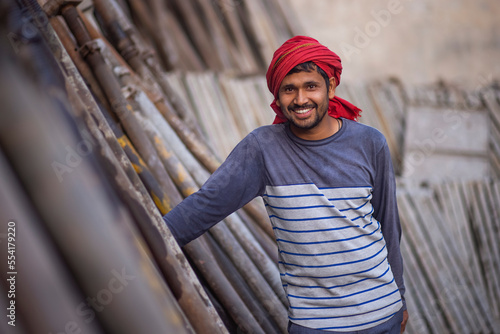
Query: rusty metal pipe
point(79, 214)
point(201, 151)
point(205, 262)
point(260, 314)
point(221, 232)
point(111, 87)
point(173, 264)
point(38, 313)
point(187, 186)
point(126, 39)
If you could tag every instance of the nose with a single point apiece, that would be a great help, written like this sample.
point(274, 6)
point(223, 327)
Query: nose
point(301, 97)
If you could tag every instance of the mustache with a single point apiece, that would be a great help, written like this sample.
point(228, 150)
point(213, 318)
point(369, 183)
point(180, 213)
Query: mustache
point(294, 107)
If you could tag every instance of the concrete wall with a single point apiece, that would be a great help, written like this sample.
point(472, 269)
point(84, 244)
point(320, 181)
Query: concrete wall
point(417, 41)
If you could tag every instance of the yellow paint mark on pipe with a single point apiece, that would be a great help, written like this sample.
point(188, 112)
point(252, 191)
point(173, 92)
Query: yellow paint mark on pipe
point(182, 174)
point(124, 143)
point(162, 150)
point(162, 204)
point(190, 190)
point(138, 169)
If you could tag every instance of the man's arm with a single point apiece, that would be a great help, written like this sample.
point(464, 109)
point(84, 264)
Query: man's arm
point(386, 212)
point(237, 181)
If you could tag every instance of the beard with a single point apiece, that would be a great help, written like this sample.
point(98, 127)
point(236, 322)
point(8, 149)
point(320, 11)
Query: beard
point(309, 123)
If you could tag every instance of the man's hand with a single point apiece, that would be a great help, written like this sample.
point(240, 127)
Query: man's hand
point(405, 320)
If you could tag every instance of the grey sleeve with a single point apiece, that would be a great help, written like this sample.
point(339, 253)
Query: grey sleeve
point(236, 182)
point(386, 212)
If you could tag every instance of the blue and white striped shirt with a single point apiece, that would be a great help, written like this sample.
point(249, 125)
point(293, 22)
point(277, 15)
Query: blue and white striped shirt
point(332, 205)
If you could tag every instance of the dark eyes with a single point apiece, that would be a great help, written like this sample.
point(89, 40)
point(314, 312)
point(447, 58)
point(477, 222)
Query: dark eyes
point(291, 89)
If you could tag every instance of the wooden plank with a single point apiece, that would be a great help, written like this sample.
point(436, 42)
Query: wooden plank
point(230, 57)
point(459, 225)
point(445, 144)
point(425, 277)
point(228, 10)
point(456, 98)
point(390, 120)
point(219, 116)
point(490, 242)
point(417, 297)
point(263, 32)
point(483, 247)
point(291, 18)
point(198, 34)
point(241, 105)
point(452, 288)
point(463, 291)
point(473, 100)
point(491, 97)
point(357, 94)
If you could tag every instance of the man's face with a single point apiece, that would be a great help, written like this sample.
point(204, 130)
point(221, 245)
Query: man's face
point(303, 98)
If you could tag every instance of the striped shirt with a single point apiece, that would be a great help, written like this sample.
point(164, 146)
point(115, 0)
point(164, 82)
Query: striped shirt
point(333, 209)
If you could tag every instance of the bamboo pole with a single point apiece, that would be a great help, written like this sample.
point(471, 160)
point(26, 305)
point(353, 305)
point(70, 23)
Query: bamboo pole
point(419, 302)
point(228, 10)
point(223, 289)
point(193, 142)
point(198, 33)
point(89, 228)
point(171, 262)
point(420, 278)
point(233, 249)
point(263, 318)
point(197, 249)
point(113, 93)
point(472, 311)
point(435, 278)
point(173, 86)
point(33, 309)
point(189, 56)
point(156, 118)
point(150, 20)
point(487, 256)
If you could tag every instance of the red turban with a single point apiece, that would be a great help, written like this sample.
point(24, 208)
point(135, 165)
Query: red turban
point(298, 50)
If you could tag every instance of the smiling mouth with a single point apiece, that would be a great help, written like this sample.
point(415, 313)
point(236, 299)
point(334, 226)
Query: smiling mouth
point(302, 110)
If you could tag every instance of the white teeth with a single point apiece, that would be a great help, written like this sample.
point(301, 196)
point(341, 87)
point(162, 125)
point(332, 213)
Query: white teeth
point(302, 111)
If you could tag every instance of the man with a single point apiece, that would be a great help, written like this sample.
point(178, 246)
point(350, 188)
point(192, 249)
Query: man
point(328, 185)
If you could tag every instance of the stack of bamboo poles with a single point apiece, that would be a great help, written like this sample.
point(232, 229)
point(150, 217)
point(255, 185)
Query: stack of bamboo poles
point(452, 256)
point(227, 107)
point(95, 147)
point(451, 231)
point(219, 35)
point(102, 132)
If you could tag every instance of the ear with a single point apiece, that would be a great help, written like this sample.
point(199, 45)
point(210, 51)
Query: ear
point(331, 88)
point(278, 103)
